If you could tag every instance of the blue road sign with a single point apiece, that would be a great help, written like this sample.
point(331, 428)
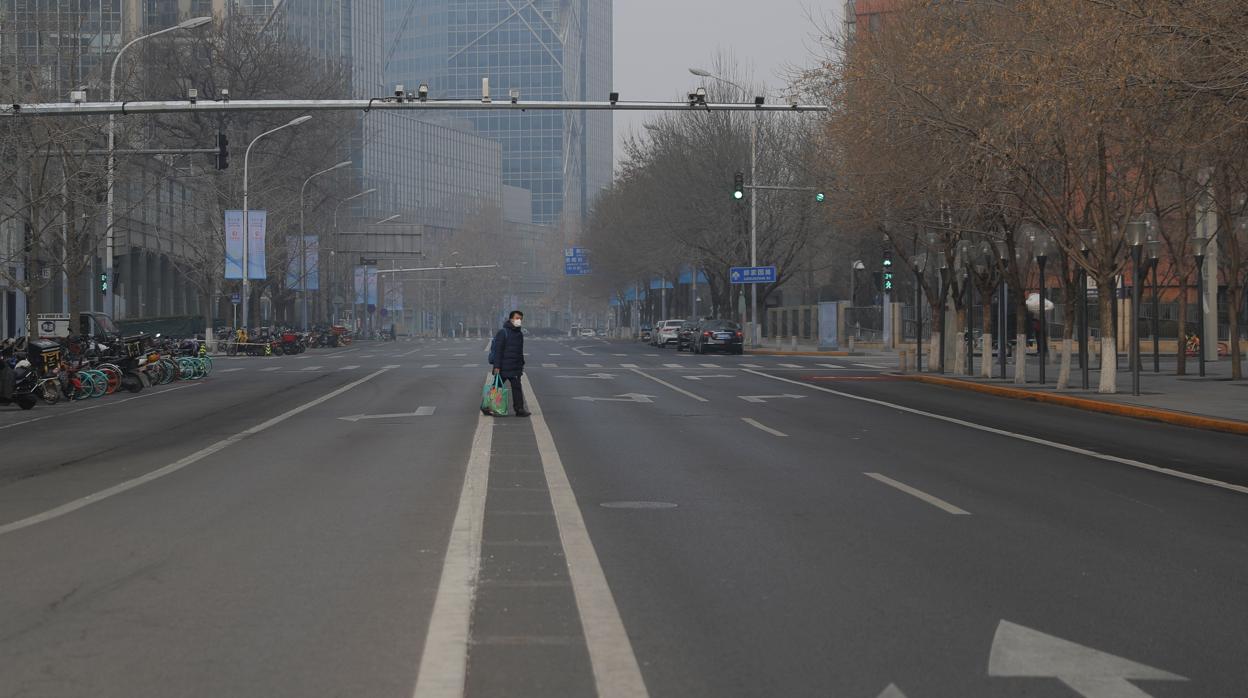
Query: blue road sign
point(575, 261)
point(752, 275)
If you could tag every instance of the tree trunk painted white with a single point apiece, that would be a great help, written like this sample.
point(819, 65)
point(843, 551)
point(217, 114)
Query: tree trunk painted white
point(959, 346)
point(1020, 359)
point(1109, 350)
point(1063, 372)
point(933, 352)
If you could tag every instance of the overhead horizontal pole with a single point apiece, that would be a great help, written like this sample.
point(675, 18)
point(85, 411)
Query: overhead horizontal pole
point(456, 268)
point(183, 106)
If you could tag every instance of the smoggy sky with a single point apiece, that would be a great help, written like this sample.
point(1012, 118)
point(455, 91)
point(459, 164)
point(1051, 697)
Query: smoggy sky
point(657, 41)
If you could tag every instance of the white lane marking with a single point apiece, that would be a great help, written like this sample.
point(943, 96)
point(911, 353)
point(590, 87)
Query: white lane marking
point(311, 368)
point(920, 494)
point(891, 691)
point(1019, 651)
point(153, 392)
point(870, 366)
point(664, 383)
point(553, 353)
point(593, 365)
point(616, 672)
point(628, 365)
point(409, 353)
point(444, 662)
point(366, 356)
point(751, 365)
point(832, 366)
point(765, 398)
point(472, 366)
point(229, 370)
point(672, 366)
point(430, 366)
point(349, 367)
point(790, 366)
point(174, 467)
point(1022, 437)
point(619, 355)
point(458, 356)
point(550, 365)
point(713, 375)
point(271, 368)
point(757, 425)
point(709, 365)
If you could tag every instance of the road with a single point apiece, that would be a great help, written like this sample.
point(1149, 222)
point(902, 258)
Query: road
point(346, 523)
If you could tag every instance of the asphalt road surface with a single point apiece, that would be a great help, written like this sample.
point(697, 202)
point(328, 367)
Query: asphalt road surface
point(347, 523)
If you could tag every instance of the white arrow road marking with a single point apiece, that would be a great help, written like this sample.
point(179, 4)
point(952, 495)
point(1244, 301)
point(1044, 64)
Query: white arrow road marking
point(420, 412)
point(626, 397)
point(665, 384)
point(698, 378)
point(1018, 651)
point(790, 366)
point(765, 398)
point(628, 365)
point(834, 367)
point(597, 376)
point(672, 366)
point(578, 350)
point(892, 692)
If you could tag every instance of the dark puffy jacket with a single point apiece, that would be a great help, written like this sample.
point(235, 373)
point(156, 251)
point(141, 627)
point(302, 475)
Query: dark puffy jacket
point(509, 343)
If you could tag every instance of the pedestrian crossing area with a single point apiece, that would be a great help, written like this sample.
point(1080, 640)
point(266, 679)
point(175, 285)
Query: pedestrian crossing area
point(283, 365)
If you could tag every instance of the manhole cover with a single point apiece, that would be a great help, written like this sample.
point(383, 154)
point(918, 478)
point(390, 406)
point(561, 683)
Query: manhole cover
point(639, 505)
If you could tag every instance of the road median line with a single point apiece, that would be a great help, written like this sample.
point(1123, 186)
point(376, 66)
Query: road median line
point(1154, 414)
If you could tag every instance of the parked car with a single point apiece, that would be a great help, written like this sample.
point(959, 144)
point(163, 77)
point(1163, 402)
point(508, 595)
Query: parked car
point(665, 332)
point(587, 332)
point(601, 332)
point(684, 335)
point(719, 335)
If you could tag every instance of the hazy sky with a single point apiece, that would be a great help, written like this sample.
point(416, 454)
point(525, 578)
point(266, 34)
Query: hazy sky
point(657, 41)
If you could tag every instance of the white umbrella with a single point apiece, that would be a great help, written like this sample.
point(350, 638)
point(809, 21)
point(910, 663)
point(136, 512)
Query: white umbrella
point(1033, 303)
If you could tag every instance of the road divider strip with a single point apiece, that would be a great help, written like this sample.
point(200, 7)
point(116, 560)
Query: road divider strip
point(70, 507)
point(616, 671)
point(1150, 413)
point(1021, 437)
point(444, 662)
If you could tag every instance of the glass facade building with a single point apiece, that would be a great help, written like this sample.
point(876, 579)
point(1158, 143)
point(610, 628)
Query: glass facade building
point(545, 49)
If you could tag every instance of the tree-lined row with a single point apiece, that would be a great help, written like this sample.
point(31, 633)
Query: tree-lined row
point(985, 128)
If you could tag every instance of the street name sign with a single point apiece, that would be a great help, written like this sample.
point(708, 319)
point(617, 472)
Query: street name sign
point(752, 275)
point(575, 261)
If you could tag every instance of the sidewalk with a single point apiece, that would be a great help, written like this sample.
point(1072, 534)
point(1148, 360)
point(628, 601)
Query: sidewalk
point(1213, 402)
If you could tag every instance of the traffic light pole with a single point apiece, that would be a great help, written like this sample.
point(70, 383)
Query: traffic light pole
point(754, 232)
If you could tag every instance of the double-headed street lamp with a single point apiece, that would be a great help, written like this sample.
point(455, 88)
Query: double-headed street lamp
point(1040, 241)
point(247, 212)
point(333, 253)
point(303, 232)
point(1136, 232)
point(1087, 241)
point(112, 165)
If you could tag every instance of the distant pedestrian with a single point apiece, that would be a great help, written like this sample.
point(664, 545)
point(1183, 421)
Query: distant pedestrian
point(509, 358)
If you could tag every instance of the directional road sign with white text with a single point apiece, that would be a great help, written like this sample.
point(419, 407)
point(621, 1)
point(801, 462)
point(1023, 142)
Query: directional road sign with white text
point(752, 275)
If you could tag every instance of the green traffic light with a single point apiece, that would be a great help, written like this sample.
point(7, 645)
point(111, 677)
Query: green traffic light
point(819, 197)
point(738, 194)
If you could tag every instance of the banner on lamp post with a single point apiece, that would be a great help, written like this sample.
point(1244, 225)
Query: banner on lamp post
point(361, 285)
point(233, 244)
point(257, 222)
point(303, 277)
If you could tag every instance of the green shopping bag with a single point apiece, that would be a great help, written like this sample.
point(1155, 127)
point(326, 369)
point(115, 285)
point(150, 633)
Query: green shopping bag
point(496, 397)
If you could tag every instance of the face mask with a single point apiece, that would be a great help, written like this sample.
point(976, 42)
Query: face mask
point(516, 322)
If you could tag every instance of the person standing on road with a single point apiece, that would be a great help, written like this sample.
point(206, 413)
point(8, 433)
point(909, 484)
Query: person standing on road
point(509, 358)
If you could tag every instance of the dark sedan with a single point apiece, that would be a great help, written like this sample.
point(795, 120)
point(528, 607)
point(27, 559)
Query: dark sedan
point(719, 335)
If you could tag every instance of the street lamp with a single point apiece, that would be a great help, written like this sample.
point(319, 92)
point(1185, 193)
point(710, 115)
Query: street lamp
point(1152, 246)
point(1199, 244)
point(854, 268)
point(753, 201)
point(1136, 231)
point(1003, 302)
point(333, 253)
point(246, 210)
point(1087, 241)
point(964, 263)
point(944, 296)
point(1040, 239)
point(112, 164)
point(303, 262)
point(920, 265)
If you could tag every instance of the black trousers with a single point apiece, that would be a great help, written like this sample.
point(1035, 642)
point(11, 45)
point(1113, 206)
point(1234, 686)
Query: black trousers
point(517, 392)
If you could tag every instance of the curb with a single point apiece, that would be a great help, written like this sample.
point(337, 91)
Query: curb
point(1150, 413)
point(770, 352)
